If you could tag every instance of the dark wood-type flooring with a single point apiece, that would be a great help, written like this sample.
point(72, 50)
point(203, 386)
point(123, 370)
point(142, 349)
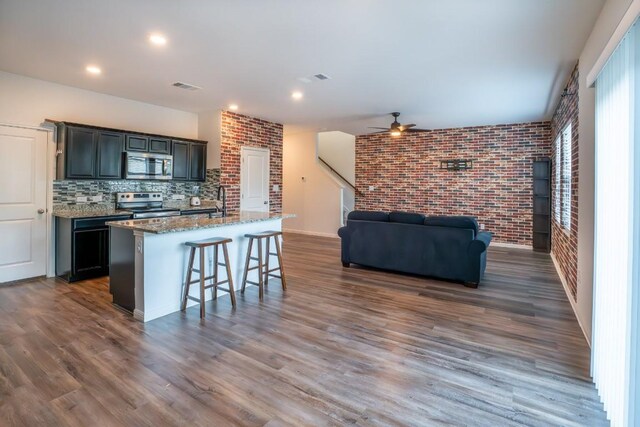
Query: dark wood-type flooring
point(342, 346)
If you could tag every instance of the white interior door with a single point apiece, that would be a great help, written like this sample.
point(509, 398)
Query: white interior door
point(23, 200)
point(254, 179)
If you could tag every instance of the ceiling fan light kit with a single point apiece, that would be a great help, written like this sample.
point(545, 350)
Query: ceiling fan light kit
point(396, 128)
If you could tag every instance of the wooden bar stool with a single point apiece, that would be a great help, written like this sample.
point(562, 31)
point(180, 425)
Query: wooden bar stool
point(264, 272)
point(202, 245)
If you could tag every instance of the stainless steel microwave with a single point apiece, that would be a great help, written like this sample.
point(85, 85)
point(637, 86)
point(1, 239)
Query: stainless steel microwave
point(148, 166)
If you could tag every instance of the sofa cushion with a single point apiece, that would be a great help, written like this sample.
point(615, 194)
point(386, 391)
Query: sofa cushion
point(467, 222)
point(368, 216)
point(407, 217)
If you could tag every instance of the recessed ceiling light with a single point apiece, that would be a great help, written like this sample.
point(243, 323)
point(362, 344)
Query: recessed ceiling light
point(158, 39)
point(297, 95)
point(233, 107)
point(92, 69)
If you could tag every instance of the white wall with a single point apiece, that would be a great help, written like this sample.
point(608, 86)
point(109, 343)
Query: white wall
point(610, 16)
point(28, 101)
point(308, 191)
point(339, 150)
point(209, 129)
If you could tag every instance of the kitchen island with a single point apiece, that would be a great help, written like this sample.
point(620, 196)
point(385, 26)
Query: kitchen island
point(148, 259)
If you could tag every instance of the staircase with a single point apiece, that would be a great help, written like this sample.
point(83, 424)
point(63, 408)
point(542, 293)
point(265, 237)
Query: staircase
point(348, 191)
point(336, 155)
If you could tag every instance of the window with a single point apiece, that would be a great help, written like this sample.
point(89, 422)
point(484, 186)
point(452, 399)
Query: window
point(562, 190)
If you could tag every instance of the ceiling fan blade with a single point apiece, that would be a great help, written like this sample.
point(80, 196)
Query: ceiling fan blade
point(406, 127)
point(370, 127)
point(417, 130)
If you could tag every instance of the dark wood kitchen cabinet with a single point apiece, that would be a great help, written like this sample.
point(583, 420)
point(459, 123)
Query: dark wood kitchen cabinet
point(189, 161)
point(80, 157)
point(148, 144)
point(197, 162)
point(180, 160)
point(82, 247)
point(137, 143)
point(92, 152)
point(160, 145)
point(109, 161)
point(89, 153)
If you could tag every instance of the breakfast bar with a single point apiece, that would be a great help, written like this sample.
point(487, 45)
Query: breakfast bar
point(148, 258)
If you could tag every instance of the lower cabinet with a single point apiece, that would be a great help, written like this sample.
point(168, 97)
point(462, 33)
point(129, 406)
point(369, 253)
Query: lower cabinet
point(82, 247)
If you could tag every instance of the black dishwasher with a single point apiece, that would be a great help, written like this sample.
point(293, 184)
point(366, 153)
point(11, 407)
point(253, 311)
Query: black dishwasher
point(82, 247)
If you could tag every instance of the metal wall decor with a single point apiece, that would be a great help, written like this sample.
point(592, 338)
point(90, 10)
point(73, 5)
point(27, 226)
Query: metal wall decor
point(456, 164)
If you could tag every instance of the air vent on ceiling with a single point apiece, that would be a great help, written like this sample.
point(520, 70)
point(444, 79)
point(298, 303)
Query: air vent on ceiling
point(186, 86)
point(314, 78)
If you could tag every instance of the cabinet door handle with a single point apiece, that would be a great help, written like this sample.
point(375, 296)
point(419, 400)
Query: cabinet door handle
point(40, 211)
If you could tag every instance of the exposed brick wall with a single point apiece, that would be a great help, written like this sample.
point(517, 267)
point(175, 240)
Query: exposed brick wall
point(238, 130)
point(565, 245)
point(406, 174)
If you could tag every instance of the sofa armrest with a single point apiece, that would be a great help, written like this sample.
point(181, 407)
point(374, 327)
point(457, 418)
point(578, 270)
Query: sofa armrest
point(477, 258)
point(345, 239)
point(481, 242)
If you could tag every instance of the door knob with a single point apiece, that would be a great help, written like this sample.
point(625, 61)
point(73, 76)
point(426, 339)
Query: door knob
point(266, 203)
point(40, 211)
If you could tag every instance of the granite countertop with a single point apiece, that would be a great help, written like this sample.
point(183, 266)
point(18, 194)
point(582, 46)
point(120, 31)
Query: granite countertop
point(196, 222)
point(93, 211)
point(87, 211)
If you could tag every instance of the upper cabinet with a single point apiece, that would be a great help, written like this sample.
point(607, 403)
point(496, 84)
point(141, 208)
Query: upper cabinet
point(137, 143)
point(90, 152)
point(180, 160)
point(80, 156)
point(189, 160)
point(150, 144)
point(197, 162)
point(110, 148)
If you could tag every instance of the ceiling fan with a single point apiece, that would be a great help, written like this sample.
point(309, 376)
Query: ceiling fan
point(396, 128)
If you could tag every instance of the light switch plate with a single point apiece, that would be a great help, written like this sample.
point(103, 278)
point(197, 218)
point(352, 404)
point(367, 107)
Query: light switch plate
point(372, 188)
point(276, 187)
point(81, 199)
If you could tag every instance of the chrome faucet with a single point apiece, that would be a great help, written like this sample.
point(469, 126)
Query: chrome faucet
point(222, 190)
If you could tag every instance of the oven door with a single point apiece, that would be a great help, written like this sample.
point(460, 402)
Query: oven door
point(149, 166)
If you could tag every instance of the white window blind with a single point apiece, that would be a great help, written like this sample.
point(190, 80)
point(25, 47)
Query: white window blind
point(565, 219)
point(557, 191)
point(562, 190)
point(615, 366)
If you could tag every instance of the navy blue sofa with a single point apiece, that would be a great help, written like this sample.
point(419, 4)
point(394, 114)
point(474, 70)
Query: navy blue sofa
point(445, 247)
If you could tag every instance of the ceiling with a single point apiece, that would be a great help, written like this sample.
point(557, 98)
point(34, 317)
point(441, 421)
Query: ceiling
point(441, 63)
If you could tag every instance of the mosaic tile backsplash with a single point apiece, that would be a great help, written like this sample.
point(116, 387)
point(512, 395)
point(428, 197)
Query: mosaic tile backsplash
point(65, 192)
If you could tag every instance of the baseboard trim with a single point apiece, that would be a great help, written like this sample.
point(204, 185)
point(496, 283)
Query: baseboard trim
point(138, 315)
point(565, 285)
point(310, 233)
point(511, 245)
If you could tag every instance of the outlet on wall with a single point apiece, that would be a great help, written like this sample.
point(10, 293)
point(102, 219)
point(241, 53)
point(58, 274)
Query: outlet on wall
point(81, 199)
point(372, 188)
point(276, 187)
point(481, 226)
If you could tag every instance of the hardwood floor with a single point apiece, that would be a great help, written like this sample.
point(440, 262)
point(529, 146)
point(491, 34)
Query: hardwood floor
point(342, 346)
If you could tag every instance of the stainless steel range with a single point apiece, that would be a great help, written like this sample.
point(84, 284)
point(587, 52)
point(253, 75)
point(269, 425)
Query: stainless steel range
point(144, 205)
